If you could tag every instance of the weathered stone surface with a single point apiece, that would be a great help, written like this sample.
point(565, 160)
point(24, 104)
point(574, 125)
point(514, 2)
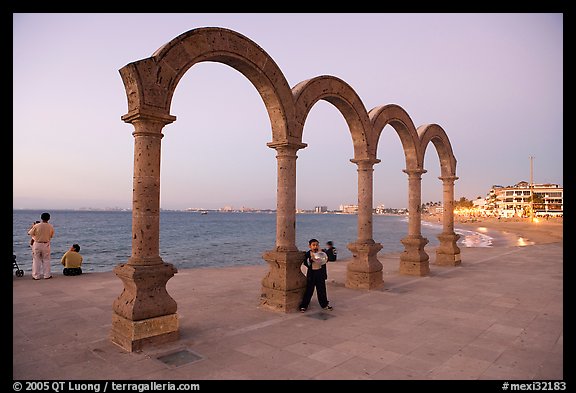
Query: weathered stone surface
point(144, 295)
point(284, 284)
point(133, 335)
point(448, 253)
point(365, 270)
point(414, 261)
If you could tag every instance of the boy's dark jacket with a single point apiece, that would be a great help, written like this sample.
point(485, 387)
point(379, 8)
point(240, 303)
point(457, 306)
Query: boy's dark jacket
point(308, 264)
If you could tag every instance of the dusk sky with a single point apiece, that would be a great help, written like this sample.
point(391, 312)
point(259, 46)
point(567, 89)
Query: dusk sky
point(493, 82)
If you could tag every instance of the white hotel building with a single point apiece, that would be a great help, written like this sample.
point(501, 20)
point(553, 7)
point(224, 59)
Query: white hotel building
point(516, 200)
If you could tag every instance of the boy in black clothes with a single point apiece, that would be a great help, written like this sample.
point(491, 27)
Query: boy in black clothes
point(331, 251)
point(315, 276)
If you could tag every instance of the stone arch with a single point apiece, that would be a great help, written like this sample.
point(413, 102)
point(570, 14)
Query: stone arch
point(150, 83)
point(145, 312)
point(434, 133)
point(364, 271)
point(340, 94)
point(414, 259)
point(447, 253)
point(399, 119)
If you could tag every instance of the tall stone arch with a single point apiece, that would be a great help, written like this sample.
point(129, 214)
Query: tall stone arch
point(144, 312)
point(414, 260)
point(448, 252)
point(364, 271)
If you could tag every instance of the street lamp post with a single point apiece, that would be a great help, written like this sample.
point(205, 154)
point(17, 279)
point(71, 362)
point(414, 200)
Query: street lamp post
point(531, 190)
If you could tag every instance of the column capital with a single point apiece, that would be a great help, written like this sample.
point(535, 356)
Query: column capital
point(140, 115)
point(418, 172)
point(285, 147)
point(365, 163)
point(448, 178)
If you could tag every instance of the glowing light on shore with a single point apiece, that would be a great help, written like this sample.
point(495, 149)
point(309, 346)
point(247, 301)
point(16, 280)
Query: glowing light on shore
point(523, 242)
point(482, 229)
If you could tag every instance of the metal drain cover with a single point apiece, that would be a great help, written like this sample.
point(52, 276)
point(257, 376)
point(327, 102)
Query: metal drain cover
point(179, 358)
point(320, 315)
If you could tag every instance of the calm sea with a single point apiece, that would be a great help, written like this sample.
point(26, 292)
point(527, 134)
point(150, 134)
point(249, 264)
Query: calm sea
point(191, 239)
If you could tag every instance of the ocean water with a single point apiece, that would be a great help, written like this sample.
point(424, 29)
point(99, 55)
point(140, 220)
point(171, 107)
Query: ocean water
point(191, 239)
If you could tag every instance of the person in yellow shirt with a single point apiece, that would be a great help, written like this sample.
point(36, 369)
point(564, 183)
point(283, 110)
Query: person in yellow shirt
point(72, 261)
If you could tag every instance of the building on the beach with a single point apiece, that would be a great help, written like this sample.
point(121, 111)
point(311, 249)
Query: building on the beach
point(320, 209)
point(380, 209)
point(546, 199)
point(349, 209)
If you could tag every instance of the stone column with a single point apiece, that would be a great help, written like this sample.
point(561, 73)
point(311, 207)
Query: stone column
point(364, 271)
point(448, 253)
point(284, 284)
point(144, 313)
point(414, 260)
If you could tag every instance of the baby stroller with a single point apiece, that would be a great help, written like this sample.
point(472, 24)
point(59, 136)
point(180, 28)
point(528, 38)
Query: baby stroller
point(19, 272)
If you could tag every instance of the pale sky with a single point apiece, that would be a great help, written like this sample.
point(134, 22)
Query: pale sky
point(493, 82)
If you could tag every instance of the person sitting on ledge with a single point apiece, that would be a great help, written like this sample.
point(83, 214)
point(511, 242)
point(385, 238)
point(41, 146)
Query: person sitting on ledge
point(72, 260)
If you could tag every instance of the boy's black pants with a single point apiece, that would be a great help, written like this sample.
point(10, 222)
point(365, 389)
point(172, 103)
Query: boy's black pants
point(315, 279)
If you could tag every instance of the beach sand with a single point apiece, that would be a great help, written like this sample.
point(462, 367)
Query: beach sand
point(515, 231)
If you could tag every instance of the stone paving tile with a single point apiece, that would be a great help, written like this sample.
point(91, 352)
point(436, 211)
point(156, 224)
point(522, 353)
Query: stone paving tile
point(41, 369)
point(381, 355)
point(338, 373)
point(255, 348)
point(260, 369)
point(430, 353)
point(140, 369)
point(278, 340)
point(308, 367)
point(415, 364)
point(331, 356)
point(343, 332)
point(225, 357)
point(444, 372)
point(505, 373)
point(505, 329)
point(226, 375)
point(558, 346)
point(353, 347)
point(525, 359)
point(280, 357)
point(93, 369)
point(460, 367)
point(551, 368)
point(26, 353)
point(194, 370)
point(497, 344)
point(392, 372)
point(304, 348)
point(546, 325)
point(480, 352)
point(362, 366)
point(534, 340)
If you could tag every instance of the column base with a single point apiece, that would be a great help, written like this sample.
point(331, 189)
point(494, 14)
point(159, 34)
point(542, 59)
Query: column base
point(448, 253)
point(284, 285)
point(365, 270)
point(144, 295)
point(134, 335)
point(414, 261)
point(144, 313)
